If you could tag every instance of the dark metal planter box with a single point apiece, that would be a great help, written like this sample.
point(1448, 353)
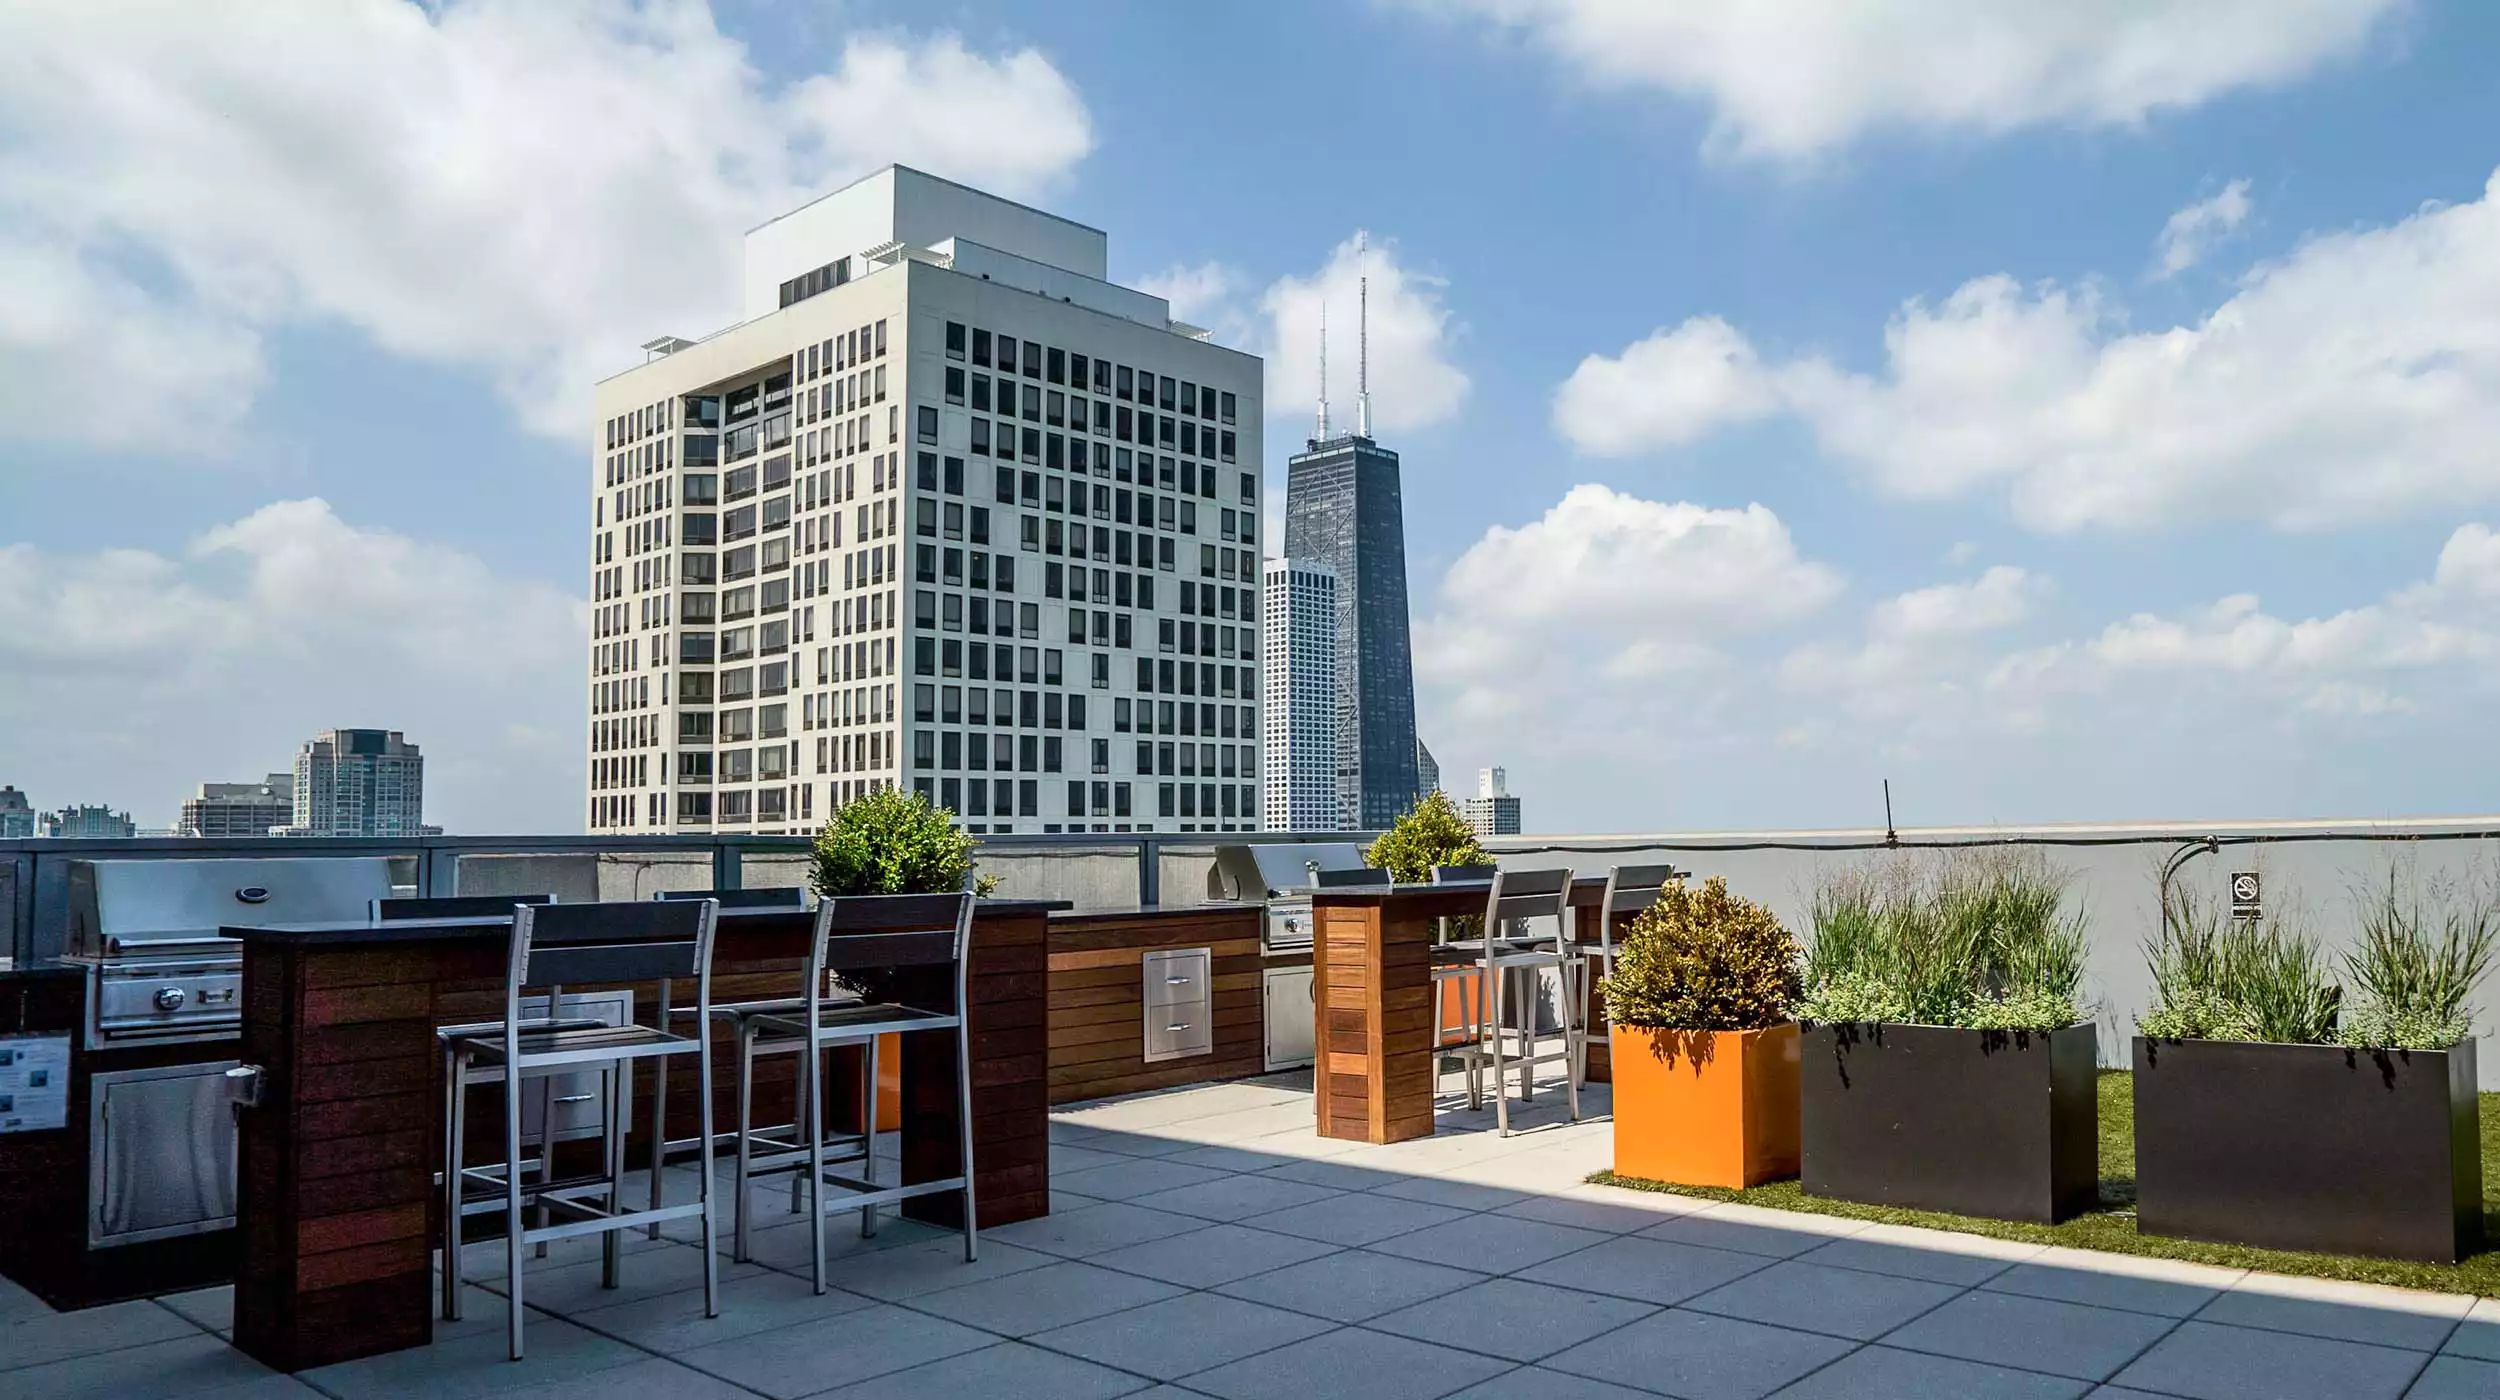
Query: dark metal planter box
point(2311, 1147)
point(1990, 1123)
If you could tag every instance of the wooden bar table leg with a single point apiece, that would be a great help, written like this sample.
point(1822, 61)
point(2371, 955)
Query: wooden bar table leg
point(1372, 1018)
point(1010, 1080)
point(336, 1163)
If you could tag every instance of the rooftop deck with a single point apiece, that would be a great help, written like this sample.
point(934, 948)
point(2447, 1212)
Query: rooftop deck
point(1206, 1242)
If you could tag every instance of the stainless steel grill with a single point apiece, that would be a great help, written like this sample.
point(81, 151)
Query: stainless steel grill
point(146, 930)
point(161, 1141)
point(1279, 875)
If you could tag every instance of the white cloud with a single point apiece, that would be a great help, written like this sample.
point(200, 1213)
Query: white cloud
point(2440, 635)
point(1998, 598)
point(2355, 380)
point(1612, 585)
point(1199, 295)
point(526, 187)
point(1918, 645)
point(1788, 79)
point(2191, 231)
point(90, 358)
point(1671, 388)
point(147, 672)
point(1414, 382)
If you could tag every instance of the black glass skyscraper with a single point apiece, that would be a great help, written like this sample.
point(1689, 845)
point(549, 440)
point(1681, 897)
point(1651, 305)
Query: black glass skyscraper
point(1342, 505)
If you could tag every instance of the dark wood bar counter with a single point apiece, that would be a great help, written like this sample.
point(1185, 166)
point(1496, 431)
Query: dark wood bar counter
point(1372, 1000)
point(338, 1160)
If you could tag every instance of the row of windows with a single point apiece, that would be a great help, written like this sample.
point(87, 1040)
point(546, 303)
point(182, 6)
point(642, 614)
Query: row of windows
point(735, 726)
point(1006, 442)
point(948, 704)
point(1068, 495)
point(840, 352)
point(1004, 797)
point(1070, 411)
point(1067, 367)
point(647, 421)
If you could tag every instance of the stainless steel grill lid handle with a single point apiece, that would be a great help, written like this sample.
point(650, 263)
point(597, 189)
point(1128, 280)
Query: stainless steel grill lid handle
point(253, 894)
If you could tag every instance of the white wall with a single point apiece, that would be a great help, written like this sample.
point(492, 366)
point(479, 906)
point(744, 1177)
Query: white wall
point(2116, 884)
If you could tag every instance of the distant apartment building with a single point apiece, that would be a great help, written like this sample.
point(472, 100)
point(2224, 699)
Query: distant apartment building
point(358, 782)
point(1427, 770)
point(17, 815)
point(1299, 677)
point(86, 823)
point(947, 511)
point(239, 809)
point(1492, 811)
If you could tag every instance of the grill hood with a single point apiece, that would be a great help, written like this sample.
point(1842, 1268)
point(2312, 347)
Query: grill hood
point(1257, 873)
point(115, 905)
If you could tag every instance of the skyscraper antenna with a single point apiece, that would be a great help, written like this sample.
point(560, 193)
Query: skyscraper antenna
point(1363, 339)
point(1323, 369)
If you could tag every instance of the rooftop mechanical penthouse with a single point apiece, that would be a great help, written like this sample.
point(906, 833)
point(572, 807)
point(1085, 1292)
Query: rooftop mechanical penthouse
point(947, 510)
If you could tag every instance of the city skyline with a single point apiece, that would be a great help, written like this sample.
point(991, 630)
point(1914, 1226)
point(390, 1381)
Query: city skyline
point(2058, 436)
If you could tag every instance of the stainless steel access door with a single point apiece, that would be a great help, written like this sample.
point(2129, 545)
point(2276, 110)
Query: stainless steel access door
point(160, 1154)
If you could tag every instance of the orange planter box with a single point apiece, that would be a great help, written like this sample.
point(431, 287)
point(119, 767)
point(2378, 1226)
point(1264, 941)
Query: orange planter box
point(1705, 1108)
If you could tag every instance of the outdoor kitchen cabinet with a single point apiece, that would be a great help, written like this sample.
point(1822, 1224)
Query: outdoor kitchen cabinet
point(98, 1212)
point(1152, 998)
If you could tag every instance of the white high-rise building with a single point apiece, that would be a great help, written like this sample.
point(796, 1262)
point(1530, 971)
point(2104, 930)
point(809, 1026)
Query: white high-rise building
point(1298, 669)
point(947, 510)
point(1492, 811)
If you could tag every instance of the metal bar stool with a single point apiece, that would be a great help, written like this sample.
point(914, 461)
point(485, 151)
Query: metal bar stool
point(1458, 965)
point(1630, 889)
point(1516, 897)
point(552, 945)
point(473, 906)
point(825, 1023)
point(663, 1147)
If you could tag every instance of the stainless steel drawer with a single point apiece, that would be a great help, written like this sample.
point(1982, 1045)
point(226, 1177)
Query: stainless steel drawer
point(1178, 1003)
point(1174, 976)
point(1174, 1032)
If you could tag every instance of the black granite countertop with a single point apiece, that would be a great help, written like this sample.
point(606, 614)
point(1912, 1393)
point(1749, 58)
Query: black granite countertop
point(41, 971)
point(500, 925)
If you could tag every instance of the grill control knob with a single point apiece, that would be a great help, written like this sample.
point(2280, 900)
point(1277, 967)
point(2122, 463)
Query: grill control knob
point(170, 998)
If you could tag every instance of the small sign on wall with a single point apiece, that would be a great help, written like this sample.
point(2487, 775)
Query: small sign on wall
point(34, 1083)
point(2247, 895)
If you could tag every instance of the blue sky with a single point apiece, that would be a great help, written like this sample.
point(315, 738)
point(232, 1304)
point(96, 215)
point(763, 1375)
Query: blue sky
point(1734, 482)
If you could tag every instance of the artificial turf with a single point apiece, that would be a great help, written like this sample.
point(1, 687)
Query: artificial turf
point(2112, 1226)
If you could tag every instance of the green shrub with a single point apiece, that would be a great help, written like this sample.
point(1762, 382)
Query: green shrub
point(2415, 984)
point(2280, 983)
point(1430, 833)
point(1979, 938)
point(2221, 979)
point(2414, 966)
point(892, 842)
point(1703, 960)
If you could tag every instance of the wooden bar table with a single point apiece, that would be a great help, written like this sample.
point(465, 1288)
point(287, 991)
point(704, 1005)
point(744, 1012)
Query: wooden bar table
point(1371, 993)
point(337, 1202)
